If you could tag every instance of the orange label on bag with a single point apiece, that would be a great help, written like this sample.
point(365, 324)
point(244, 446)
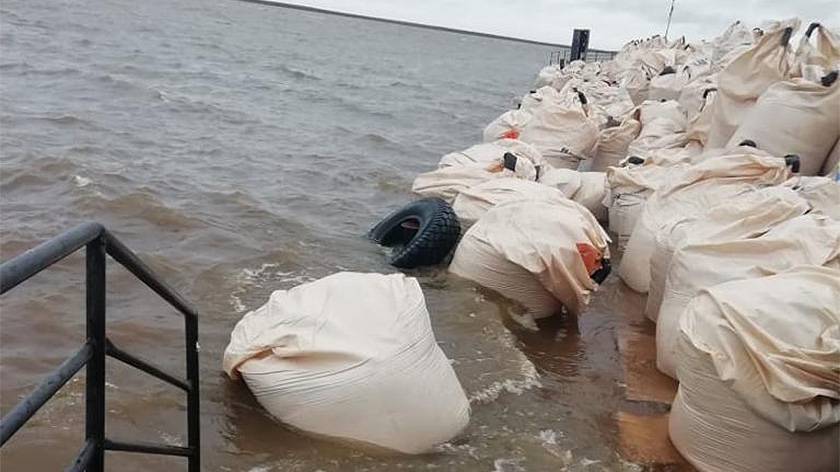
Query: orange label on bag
point(512, 133)
point(591, 257)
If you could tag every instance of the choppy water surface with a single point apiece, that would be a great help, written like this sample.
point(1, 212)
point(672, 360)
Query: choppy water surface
point(239, 149)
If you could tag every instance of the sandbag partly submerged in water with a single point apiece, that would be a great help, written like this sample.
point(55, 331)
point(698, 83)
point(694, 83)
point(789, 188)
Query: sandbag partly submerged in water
point(540, 253)
point(351, 356)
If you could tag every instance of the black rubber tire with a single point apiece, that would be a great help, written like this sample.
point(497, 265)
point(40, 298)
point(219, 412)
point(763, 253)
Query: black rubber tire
point(437, 233)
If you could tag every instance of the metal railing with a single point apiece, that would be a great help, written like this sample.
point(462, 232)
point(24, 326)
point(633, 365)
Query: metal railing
point(563, 56)
point(98, 243)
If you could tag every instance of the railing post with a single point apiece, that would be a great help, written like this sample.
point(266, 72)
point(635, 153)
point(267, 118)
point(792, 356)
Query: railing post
point(193, 422)
point(95, 382)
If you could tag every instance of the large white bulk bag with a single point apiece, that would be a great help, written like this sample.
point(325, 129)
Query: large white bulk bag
point(562, 132)
point(586, 188)
point(472, 203)
point(663, 127)
point(351, 356)
point(448, 182)
point(732, 43)
point(628, 188)
point(805, 240)
point(703, 186)
point(750, 215)
point(814, 62)
point(508, 125)
point(491, 152)
point(538, 97)
point(559, 128)
point(613, 143)
point(533, 252)
point(693, 96)
point(668, 86)
point(547, 74)
point(636, 84)
point(758, 370)
point(794, 117)
point(747, 77)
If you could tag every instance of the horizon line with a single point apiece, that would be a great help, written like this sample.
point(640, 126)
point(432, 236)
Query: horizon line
point(295, 6)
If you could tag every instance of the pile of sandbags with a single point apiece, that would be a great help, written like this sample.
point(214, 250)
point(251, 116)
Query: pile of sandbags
point(351, 356)
point(743, 80)
point(540, 253)
point(811, 239)
point(558, 125)
point(447, 182)
point(758, 369)
point(751, 215)
point(698, 188)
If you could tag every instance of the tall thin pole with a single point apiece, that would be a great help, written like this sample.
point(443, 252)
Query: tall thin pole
point(670, 14)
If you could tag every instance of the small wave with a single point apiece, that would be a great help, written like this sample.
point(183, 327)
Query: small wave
point(65, 120)
point(530, 377)
point(508, 465)
point(247, 279)
point(80, 181)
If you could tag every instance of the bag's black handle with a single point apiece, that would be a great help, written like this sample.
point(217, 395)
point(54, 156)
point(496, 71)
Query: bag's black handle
point(792, 161)
point(510, 161)
point(786, 36)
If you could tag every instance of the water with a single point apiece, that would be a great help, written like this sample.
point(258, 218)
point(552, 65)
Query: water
point(242, 148)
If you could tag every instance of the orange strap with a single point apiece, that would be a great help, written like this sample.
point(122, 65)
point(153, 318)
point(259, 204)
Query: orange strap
point(512, 133)
point(591, 257)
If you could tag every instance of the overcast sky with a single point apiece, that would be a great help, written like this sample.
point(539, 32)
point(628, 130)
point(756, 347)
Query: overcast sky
point(613, 22)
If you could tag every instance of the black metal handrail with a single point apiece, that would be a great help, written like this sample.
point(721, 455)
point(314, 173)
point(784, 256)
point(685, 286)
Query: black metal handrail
point(98, 242)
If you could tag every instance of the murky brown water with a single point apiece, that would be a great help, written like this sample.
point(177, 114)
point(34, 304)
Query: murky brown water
point(239, 149)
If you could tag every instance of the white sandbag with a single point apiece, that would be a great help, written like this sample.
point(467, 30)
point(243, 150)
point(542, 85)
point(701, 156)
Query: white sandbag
point(750, 215)
point(805, 240)
point(668, 86)
point(532, 252)
point(592, 192)
point(351, 356)
point(628, 188)
point(736, 40)
point(663, 127)
point(508, 125)
point(821, 193)
point(813, 62)
point(697, 189)
point(586, 188)
point(547, 75)
point(448, 182)
point(794, 117)
point(637, 85)
point(472, 203)
point(693, 96)
point(759, 385)
point(747, 77)
point(562, 132)
point(538, 97)
point(492, 152)
point(567, 181)
point(559, 128)
point(613, 143)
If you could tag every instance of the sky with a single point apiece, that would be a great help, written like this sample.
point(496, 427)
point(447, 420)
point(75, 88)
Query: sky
point(612, 22)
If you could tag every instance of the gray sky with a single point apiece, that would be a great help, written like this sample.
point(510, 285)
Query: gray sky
point(613, 22)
